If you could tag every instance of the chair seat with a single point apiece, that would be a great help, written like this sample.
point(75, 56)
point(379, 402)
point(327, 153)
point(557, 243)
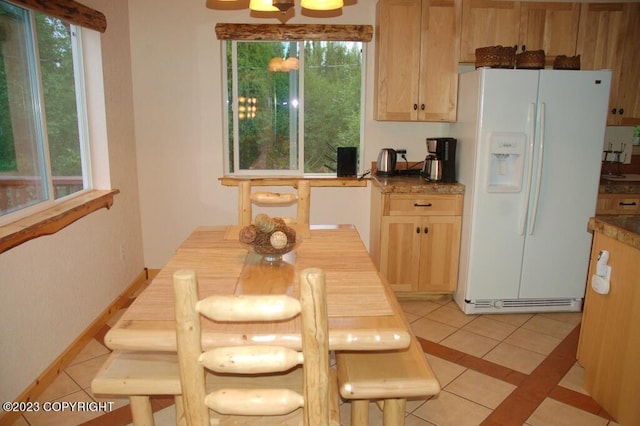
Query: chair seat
point(138, 373)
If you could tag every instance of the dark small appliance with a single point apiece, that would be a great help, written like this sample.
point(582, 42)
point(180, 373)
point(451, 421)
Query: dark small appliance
point(440, 163)
point(347, 161)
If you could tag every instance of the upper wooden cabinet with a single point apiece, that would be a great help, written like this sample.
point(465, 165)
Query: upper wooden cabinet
point(552, 27)
point(416, 73)
point(488, 23)
point(608, 38)
point(420, 42)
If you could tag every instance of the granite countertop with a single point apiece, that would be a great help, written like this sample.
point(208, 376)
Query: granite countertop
point(624, 228)
point(629, 184)
point(414, 185)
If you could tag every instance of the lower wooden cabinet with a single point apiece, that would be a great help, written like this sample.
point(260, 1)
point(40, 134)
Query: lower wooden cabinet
point(618, 204)
point(415, 240)
point(609, 345)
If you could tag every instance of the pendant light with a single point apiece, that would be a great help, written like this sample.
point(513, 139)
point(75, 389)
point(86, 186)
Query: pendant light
point(262, 6)
point(284, 5)
point(271, 5)
point(322, 4)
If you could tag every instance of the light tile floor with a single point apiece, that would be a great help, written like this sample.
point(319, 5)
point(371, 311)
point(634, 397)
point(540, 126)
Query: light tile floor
point(485, 364)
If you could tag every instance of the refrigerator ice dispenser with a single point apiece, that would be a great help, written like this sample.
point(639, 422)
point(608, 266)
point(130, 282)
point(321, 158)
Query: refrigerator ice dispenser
point(506, 158)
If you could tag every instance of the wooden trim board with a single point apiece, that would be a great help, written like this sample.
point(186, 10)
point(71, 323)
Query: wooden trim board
point(53, 219)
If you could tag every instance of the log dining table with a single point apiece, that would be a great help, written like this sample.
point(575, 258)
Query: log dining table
point(363, 312)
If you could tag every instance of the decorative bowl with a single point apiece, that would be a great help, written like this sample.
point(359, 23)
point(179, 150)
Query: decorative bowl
point(269, 237)
point(269, 254)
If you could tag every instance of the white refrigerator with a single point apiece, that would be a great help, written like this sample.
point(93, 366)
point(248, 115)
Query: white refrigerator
point(529, 151)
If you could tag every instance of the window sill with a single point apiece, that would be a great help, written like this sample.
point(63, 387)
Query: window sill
point(316, 181)
point(54, 219)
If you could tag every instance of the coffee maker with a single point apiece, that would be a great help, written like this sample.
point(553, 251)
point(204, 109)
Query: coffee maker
point(440, 164)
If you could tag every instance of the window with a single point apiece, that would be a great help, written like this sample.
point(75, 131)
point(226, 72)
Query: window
point(291, 104)
point(43, 132)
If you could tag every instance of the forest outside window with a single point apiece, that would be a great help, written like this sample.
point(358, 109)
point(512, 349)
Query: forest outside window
point(291, 104)
point(43, 131)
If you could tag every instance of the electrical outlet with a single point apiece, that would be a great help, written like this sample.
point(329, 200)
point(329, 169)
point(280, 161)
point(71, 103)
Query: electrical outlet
point(401, 151)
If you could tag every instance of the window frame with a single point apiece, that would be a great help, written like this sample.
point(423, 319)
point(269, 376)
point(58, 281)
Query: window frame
point(286, 33)
point(77, 42)
point(67, 210)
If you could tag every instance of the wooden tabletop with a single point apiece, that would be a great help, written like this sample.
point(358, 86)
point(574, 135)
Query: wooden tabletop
point(363, 312)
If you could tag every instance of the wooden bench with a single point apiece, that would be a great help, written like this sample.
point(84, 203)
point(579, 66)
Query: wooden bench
point(388, 377)
point(137, 375)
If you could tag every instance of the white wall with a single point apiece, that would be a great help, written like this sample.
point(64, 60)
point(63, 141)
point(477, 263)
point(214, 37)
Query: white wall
point(178, 101)
point(53, 287)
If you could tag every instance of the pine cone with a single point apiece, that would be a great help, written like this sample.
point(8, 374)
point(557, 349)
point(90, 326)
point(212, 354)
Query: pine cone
point(248, 234)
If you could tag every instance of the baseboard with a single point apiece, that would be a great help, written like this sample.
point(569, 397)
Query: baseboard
point(33, 391)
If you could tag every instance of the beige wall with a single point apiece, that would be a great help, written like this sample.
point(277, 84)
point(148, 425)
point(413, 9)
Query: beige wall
point(53, 287)
point(178, 100)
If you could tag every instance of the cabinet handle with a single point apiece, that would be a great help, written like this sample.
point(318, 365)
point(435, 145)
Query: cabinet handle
point(621, 111)
point(633, 203)
point(421, 205)
point(417, 229)
point(422, 107)
point(415, 107)
point(426, 230)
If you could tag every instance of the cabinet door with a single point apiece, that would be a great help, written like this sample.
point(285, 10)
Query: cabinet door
point(552, 27)
point(600, 43)
point(397, 60)
point(439, 253)
point(628, 95)
point(488, 23)
point(440, 48)
point(400, 251)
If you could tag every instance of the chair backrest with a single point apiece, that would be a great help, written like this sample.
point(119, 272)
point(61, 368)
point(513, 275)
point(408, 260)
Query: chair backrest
point(254, 359)
point(247, 197)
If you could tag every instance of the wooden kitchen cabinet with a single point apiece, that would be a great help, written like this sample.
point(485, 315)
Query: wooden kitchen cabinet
point(416, 71)
point(488, 23)
point(618, 204)
point(609, 345)
point(608, 39)
point(416, 240)
point(550, 26)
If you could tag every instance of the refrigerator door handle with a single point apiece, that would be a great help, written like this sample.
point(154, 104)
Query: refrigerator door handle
point(525, 207)
point(534, 211)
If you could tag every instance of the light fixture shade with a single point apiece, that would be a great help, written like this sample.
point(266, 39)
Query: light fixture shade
point(322, 4)
point(263, 6)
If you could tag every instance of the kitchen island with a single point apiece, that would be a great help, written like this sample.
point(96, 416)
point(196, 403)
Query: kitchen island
point(609, 347)
point(415, 234)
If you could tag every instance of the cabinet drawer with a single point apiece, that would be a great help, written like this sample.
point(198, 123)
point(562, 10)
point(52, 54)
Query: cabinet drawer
point(423, 205)
point(618, 204)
